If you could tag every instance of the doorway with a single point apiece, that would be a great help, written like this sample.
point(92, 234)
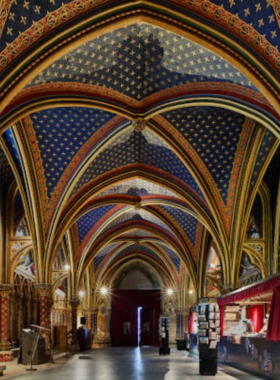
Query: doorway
point(135, 315)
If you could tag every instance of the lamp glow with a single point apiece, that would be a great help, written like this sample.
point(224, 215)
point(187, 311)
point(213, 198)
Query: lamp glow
point(81, 293)
point(190, 291)
point(170, 291)
point(67, 267)
point(103, 291)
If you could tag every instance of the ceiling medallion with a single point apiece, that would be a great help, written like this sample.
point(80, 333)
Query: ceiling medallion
point(139, 124)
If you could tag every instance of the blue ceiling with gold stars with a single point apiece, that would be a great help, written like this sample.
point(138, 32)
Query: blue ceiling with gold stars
point(101, 255)
point(214, 134)
point(267, 143)
point(88, 220)
point(138, 248)
point(11, 144)
point(137, 232)
point(140, 60)
point(172, 255)
point(186, 221)
point(61, 133)
point(259, 14)
point(23, 14)
point(132, 147)
point(138, 187)
point(137, 215)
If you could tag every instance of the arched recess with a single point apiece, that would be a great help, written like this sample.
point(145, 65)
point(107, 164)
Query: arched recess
point(169, 266)
point(213, 281)
point(251, 269)
point(232, 51)
point(257, 234)
point(112, 235)
point(81, 204)
point(18, 236)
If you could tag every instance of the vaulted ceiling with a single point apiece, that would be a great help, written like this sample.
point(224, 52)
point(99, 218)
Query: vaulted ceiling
point(138, 128)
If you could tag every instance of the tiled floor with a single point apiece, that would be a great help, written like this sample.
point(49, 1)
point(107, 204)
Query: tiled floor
point(123, 364)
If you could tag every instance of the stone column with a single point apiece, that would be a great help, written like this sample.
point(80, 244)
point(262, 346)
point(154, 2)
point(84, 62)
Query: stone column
point(13, 319)
point(29, 310)
point(181, 322)
point(5, 291)
point(45, 302)
point(34, 317)
point(94, 321)
point(19, 300)
point(74, 305)
point(88, 319)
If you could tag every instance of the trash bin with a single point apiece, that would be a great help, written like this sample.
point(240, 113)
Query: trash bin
point(181, 344)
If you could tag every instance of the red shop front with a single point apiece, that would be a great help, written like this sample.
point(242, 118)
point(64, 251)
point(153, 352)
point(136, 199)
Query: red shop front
point(250, 328)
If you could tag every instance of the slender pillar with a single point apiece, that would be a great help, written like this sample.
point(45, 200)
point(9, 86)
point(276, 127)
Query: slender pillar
point(5, 291)
point(94, 321)
point(29, 310)
point(34, 318)
point(19, 300)
point(88, 319)
point(74, 305)
point(45, 302)
point(13, 319)
point(181, 322)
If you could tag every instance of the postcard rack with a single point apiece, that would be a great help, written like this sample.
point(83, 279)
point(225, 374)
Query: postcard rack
point(208, 335)
point(164, 335)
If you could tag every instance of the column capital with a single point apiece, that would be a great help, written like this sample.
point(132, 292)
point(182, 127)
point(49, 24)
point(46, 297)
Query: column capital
point(6, 290)
point(44, 289)
point(182, 311)
point(227, 289)
point(74, 303)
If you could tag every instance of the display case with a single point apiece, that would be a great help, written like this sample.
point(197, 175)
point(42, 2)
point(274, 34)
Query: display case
point(164, 335)
point(208, 335)
point(250, 326)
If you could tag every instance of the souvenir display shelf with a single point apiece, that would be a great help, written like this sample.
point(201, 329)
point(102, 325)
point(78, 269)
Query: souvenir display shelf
point(208, 335)
point(164, 335)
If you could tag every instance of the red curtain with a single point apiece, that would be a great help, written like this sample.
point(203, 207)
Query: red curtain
point(191, 324)
point(222, 313)
point(256, 314)
point(250, 291)
point(273, 328)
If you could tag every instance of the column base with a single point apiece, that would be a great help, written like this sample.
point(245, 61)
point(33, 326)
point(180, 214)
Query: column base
point(100, 344)
point(74, 347)
point(6, 356)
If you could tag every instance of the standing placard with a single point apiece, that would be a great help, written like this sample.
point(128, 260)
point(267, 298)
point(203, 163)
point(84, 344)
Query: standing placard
point(208, 335)
point(164, 335)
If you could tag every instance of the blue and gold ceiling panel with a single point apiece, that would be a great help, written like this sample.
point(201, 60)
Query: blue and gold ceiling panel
point(138, 248)
point(259, 14)
point(61, 133)
point(137, 233)
point(23, 14)
point(186, 221)
point(11, 144)
point(266, 145)
point(140, 60)
point(214, 134)
point(132, 147)
point(137, 215)
point(101, 255)
point(173, 256)
point(138, 187)
point(86, 222)
point(6, 173)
